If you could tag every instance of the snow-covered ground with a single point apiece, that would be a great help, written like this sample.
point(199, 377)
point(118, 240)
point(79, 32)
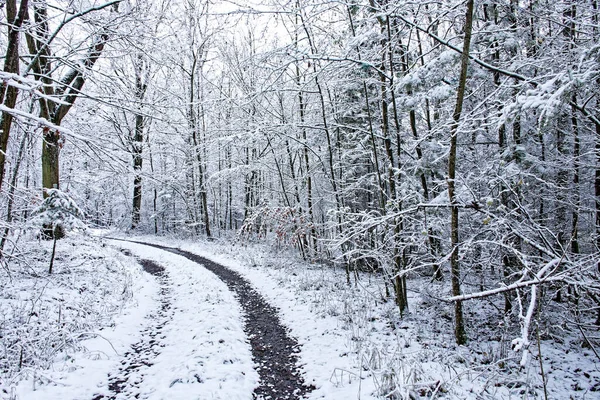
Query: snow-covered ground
point(204, 352)
point(70, 327)
point(353, 343)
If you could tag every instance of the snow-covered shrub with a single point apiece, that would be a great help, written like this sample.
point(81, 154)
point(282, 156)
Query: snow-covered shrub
point(57, 214)
point(281, 226)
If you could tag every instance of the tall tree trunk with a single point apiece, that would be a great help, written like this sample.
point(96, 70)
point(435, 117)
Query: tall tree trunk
point(576, 175)
point(202, 173)
point(137, 144)
point(154, 190)
point(386, 88)
point(196, 125)
point(302, 110)
point(309, 188)
point(596, 20)
point(9, 94)
point(137, 149)
point(459, 327)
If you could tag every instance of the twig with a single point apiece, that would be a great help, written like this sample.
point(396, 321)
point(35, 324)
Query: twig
point(588, 341)
point(99, 335)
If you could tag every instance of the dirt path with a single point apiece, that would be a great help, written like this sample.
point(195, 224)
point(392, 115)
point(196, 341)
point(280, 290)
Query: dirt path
point(129, 377)
point(274, 351)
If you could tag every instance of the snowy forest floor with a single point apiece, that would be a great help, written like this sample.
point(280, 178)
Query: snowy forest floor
point(119, 320)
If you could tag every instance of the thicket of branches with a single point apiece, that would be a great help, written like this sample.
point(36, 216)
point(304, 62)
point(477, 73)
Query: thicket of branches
point(454, 140)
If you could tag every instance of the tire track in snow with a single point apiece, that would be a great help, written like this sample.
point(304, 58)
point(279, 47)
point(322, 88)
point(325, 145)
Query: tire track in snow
point(273, 350)
point(129, 377)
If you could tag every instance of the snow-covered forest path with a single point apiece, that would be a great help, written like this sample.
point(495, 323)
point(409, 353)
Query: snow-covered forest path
point(128, 380)
point(273, 350)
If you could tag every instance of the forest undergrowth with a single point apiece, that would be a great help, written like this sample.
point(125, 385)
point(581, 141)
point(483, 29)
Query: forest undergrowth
point(416, 357)
point(45, 317)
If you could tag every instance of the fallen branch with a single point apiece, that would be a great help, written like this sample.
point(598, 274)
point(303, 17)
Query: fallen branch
point(539, 279)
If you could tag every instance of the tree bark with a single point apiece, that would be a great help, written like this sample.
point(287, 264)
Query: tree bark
point(9, 94)
point(576, 175)
point(142, 75)
point(459, 327)
point(137, 149)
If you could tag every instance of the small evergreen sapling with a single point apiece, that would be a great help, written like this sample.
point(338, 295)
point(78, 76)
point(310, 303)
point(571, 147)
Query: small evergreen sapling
point(57, 214)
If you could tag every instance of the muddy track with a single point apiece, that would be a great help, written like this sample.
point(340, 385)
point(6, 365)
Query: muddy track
point(274, 351)
point(129, 377)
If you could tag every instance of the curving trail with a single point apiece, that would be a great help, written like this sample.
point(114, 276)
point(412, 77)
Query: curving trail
point(128, 380)
point(274, 351)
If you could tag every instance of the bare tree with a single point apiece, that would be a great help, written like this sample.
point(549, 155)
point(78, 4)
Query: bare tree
point(59, 94)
